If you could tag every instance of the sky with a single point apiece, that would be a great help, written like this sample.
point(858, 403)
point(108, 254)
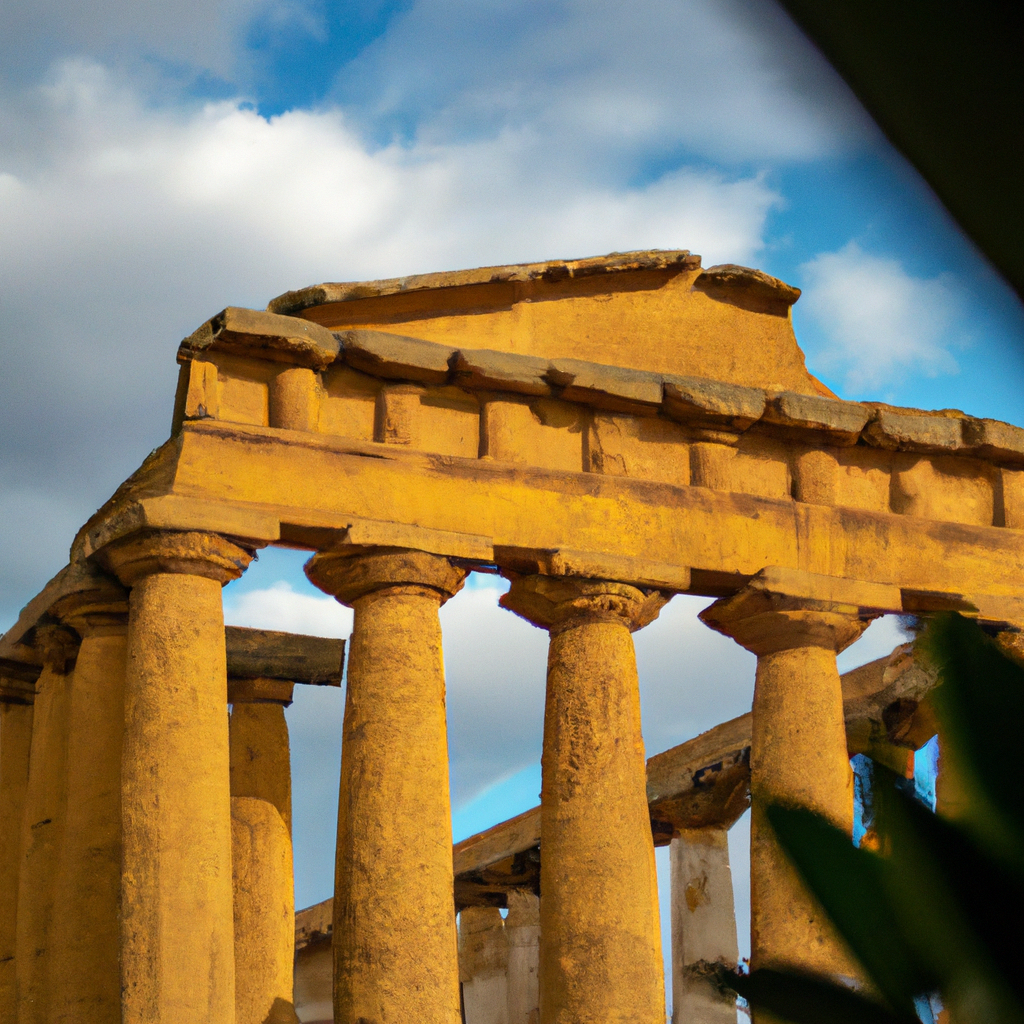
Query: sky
point(160, 161)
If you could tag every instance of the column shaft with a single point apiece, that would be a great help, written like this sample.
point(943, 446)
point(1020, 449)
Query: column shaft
point(797, 755)
point(177, 922)
point(15, 748)
point(84, 970)
point(483, 965)
point(394, 921)
point(522, 928)
point(41, 837)
point(600, 933)
point(264, 887)
point(703, 926)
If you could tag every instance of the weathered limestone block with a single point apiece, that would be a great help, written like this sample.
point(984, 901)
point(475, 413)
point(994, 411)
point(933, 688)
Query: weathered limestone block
point(991, 439)
point(177, 931)
point(816, 477)
point(483, 965)
point(243, 389)
point(863, 479)
point(693, 399)
point(501, 371)
point(724, 467)
point(522, 929)
point(84, 970)
point(910, 429)
point(395, 952)
point(837, 422)
point(445, 421)
point(703, 926)
point(15, 748)
point(42, 830)
point(638, 446)
point(954, 490)
point(1012, 493)
point(198, 395)
point(396, 356)
point(798, 749)
point(541, 432)
point(294, 397)
point(747, 287)
point(600, 935)
point(252, 332)
point(607, 387)
point(348, 405)
point(314, 987)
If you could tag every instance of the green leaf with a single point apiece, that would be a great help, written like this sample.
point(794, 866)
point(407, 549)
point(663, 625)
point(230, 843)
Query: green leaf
point(848, 883)
point(810, 999)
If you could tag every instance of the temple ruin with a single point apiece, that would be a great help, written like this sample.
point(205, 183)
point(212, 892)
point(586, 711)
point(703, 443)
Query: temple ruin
point(606, 433)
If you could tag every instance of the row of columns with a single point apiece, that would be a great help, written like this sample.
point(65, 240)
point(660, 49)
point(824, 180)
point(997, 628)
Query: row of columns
point(163, 827)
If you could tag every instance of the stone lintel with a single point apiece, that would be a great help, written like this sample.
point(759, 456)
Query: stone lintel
point(701, 401)
point(264, 655)
point(486, 370)
point(594, 565)
point(251, 332)
point(903, 429)
point(606, 387)
point(837, 422)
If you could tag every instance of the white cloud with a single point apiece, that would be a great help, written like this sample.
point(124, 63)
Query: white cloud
point(879, 323)
point(280, 607)
point(124, 226)
point(728, 80)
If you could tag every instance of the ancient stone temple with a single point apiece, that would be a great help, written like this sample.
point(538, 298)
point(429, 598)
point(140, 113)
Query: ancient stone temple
point(606, 433)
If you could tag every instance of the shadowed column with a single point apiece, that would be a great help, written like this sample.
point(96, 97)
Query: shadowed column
point(177, 933)
point(84, 969)
point(600, 937)
point(261, 830)
point(43, 823)
point(798, 756)
point(17, 691)
point(395, 955)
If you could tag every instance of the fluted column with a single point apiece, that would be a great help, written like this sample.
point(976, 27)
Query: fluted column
point(84, 969)
point(600, 936)
point(395, 956)
point(261, 831)
point(798, 756)
point(43, 822)
point(15, 748)
point(177, 942)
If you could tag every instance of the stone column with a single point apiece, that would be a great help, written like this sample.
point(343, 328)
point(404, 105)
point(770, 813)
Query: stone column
point(177, 941)
point(483, 965)
point(522, 929)
point(261, 832)
point(43, 823)
point(84, 968)
point(703, 926)
point(395, 956)
point(798, 756)
point(15, 747)
point(600, 937)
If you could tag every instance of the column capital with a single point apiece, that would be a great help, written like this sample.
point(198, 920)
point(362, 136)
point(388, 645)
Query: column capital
point(350, 575)
point(261, 690)
point(185, 552)
point(56, 645)
point(766, 617)
point(560, 602)
point(98, 605)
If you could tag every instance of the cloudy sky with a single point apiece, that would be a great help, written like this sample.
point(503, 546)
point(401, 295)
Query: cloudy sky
point(159, 161)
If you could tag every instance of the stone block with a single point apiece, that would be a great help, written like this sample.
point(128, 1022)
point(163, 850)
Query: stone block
point(348, 403)
point(725, 468)
point(644, 447)
point(747, 288)
point(501, 371)
point(907, 429)
point(543, 432)
point(949, 489)
point(243, 389)
point(396, 356)
point(609, 387)
point(256, 333)
point(840, 422)
point(693, 399)
point(448, 423)
point(863, 478)
point(815, 477)
point(1013, 498)
point(991, 439)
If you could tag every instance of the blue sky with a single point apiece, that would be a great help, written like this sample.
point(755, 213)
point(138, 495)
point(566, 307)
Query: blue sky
point(159, 161)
